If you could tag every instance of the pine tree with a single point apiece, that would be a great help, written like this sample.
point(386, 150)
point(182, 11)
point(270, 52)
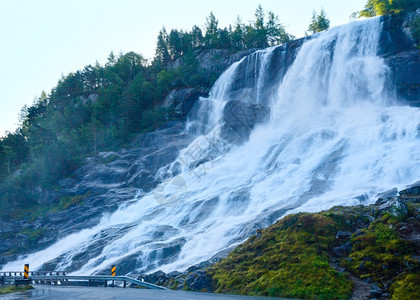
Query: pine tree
point(212, 31)
point(319, 22)
point(162, 52)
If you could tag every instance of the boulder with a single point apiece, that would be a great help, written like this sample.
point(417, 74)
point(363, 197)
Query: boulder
point(198, 281)
point(386, 196)
point(343, 235)
point(342, 250)
point(395, 207)
point(412, 193)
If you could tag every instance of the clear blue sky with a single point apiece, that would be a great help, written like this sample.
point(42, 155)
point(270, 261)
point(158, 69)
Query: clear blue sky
point(43, 39)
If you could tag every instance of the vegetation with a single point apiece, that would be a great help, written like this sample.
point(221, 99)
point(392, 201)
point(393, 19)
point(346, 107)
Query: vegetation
point(386, 7)
point(264, 31)
point(288, 259)
point(407, 287)
point(293, 258)
point(416, 30)
point(380, 253)
point(103, 106)
point(14, 289)
point(319, 22)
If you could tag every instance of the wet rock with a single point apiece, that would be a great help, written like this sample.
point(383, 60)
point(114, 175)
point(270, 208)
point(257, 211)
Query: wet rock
point(240, 118)
point(397, 48)
point(395, 207)
point(198, 281)
point(412, 193)
point(158, 276)
point(386, 196)
point(7, 227)
point(181, 101)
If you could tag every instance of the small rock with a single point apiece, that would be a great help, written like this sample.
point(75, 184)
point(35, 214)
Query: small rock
point(375, 292)
point(343, 235)
point(342, 250)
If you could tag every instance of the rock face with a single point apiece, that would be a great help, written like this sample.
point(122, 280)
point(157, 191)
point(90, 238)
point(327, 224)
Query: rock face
point(401, 55)
point(239, 120)
point(103, 183)
point(214, 60)
point(181, 101)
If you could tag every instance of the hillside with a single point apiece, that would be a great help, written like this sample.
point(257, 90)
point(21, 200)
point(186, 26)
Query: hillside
point(198, 168)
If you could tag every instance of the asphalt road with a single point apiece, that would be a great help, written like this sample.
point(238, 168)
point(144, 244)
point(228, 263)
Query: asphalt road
point(115, 293)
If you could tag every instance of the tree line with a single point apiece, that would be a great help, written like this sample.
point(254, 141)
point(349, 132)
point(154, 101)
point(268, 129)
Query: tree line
point(264, 31)
point(103, 106)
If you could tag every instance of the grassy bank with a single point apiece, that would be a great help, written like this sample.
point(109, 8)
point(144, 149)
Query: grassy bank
point(312, 255)
point(14, 289)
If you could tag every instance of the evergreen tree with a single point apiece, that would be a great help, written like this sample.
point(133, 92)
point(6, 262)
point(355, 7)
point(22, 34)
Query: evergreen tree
point(276, 33)
point(162, 53)
point(260, 30)
point(238, 35)
point(197, 38)
point(319, 22)
point(211, 39)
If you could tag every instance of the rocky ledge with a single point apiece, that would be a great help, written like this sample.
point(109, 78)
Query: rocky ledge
point(361, 252)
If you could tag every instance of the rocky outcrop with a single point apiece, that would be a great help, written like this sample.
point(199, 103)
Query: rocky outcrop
point(214, 60)
point(179, 102)
point(239, 119)
point(102, 184)
point(402, 56)
point(195, 278)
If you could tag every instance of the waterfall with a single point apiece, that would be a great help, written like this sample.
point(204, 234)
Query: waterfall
point(334, 135)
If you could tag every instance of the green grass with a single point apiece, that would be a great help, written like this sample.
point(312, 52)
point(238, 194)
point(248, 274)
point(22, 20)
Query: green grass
point(13, 289)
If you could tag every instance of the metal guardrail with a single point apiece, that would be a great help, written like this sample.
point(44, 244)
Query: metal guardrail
point(56, 277)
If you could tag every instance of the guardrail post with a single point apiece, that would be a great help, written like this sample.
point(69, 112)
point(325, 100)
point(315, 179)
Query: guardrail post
point(124, 283)
point(26, 271)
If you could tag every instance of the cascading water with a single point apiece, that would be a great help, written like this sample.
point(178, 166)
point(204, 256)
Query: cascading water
point(333, 137)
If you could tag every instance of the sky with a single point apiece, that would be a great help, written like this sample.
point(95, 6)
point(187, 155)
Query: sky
point(41, 40)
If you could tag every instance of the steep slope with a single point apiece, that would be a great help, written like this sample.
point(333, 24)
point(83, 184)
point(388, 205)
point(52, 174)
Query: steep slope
point(300, 127)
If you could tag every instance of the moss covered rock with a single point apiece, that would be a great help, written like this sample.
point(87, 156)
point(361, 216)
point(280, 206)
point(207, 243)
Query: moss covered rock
point(314, 255)
point(288, 259)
